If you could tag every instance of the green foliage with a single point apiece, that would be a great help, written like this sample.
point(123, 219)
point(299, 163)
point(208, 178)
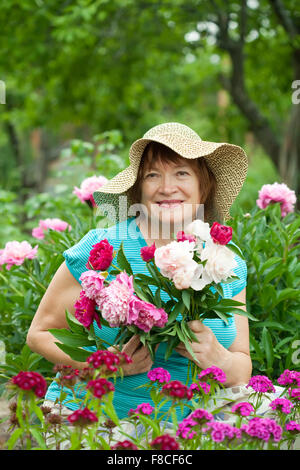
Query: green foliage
point(271, 247)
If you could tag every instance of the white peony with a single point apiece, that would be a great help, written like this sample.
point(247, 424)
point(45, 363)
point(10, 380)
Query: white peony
point(220, 262)
point(186, 275)
point(199, 229)
point(169, 258)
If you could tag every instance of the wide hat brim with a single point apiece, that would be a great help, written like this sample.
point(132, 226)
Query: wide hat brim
point(228, 162)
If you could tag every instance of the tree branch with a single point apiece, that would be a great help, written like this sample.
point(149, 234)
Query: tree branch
point(284, 18)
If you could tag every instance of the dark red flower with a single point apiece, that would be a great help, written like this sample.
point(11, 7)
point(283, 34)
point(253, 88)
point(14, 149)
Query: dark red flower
point(147, 252)
point(107, 361)
point(177, 389)
point(100, 387)
point(67, 375)
point(82, 417)
point(221, 234)
point(124, 445)
point(27, 380)
point(165, 442)
point(85, 311)
point(101, 256)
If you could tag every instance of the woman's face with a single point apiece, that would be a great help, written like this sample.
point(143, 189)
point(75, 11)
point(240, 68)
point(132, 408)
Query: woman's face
point(170, 192)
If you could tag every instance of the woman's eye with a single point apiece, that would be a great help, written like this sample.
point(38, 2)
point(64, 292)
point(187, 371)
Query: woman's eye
point(150, 174)
point(183, 172)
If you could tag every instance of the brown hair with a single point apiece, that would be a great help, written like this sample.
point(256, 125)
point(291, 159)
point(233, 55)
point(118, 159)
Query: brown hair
point(160, 152)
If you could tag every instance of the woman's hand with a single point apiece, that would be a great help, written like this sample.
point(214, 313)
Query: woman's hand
point(207, 350)
point(140, 355)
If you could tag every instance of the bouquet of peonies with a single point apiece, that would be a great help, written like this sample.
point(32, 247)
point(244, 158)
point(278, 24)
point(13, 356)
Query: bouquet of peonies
point(185, 269)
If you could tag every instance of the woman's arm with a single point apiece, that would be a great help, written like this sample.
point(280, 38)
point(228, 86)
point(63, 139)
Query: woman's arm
point(234, 361)
point(61, 295)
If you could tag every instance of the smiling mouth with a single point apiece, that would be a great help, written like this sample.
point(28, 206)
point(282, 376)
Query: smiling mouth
point(169, 204)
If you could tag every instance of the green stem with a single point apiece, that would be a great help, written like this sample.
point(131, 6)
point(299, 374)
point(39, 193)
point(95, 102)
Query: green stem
point(11, 286)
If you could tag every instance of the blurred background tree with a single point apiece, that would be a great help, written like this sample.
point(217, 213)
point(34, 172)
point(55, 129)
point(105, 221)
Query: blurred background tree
point(77, 68)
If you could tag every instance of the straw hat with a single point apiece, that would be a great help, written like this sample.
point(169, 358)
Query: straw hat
point(228, 163)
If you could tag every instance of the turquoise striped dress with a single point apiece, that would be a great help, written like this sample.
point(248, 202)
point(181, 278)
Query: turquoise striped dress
point(126, 395)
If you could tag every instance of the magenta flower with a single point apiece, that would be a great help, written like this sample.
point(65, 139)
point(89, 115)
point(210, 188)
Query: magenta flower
point(85, 311)
point(182, 236)
point(88, 187)
point(82, 417)
point(200, 387)
point(177, 389)
point(15, 253)
point(28, 380)
point(143, 408)
point(147, 252)
point(221, 234)
point(276, 192)
point(100, 387)
point(191, 425)
point(159, 374)
point(145, 315)
point(262, 428)
point(101, 256)
point(124, 445)
point(261, 384)
point(289, 377)
point(220, 431)
point(164, 442)
point(294, 393)
point(282, 404)
point(213, 373)
point(292, 427)
point(54, 224)
point(242, 409)
point(107, 361)
point(92, 283)
point(114, 300)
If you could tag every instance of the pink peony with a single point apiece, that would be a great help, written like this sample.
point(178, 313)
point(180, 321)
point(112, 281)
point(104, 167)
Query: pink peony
point(182, 236)
point(221, 234)
point(276, 192)
point(15, 253)
point(92, 283)
point(173, 256)
point(114, 300)
point(159, 374)
point(88, 187)
point(85, 311)
point(101, 256)
point(147, 252)
point(54, 224)
point(28, 380)
point(145, 315)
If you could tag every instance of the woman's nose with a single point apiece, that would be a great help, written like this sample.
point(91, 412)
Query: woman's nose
point(167, 184)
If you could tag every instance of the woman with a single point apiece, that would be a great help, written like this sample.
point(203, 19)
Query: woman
point(171, 169)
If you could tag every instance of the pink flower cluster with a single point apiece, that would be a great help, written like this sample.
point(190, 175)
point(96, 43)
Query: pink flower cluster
point(242, 409)
point(292, 427)
point(213, 373)
point(282, 404)
point(262, 428)
point(88, 187)
point(200, 387)
point(54, 224)
point(15, 253)
point(82, 417)
point(177, 389)
point(261, 384)
point(164, 442)
point(276, 192)
point(189, 427)
point(289, 377)
point(159, 374)
point(220, 431)
point(294, 394)
point(28, 380)
point(100, 387)
point(143, 408)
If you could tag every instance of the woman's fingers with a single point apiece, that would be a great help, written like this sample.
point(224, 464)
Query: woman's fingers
point(131, 346)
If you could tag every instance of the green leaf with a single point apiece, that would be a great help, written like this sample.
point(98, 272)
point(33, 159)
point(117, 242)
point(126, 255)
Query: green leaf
point(270, 262)
point(38, 437)
point(74, 324)
point(71, 339)
point(186, 297)
point(268, 348)
point(14, 438)
point(122, 261)
point(179, 308)
point(150, 422)
point(285, 294)
point(236, 250)
point(75, 353)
